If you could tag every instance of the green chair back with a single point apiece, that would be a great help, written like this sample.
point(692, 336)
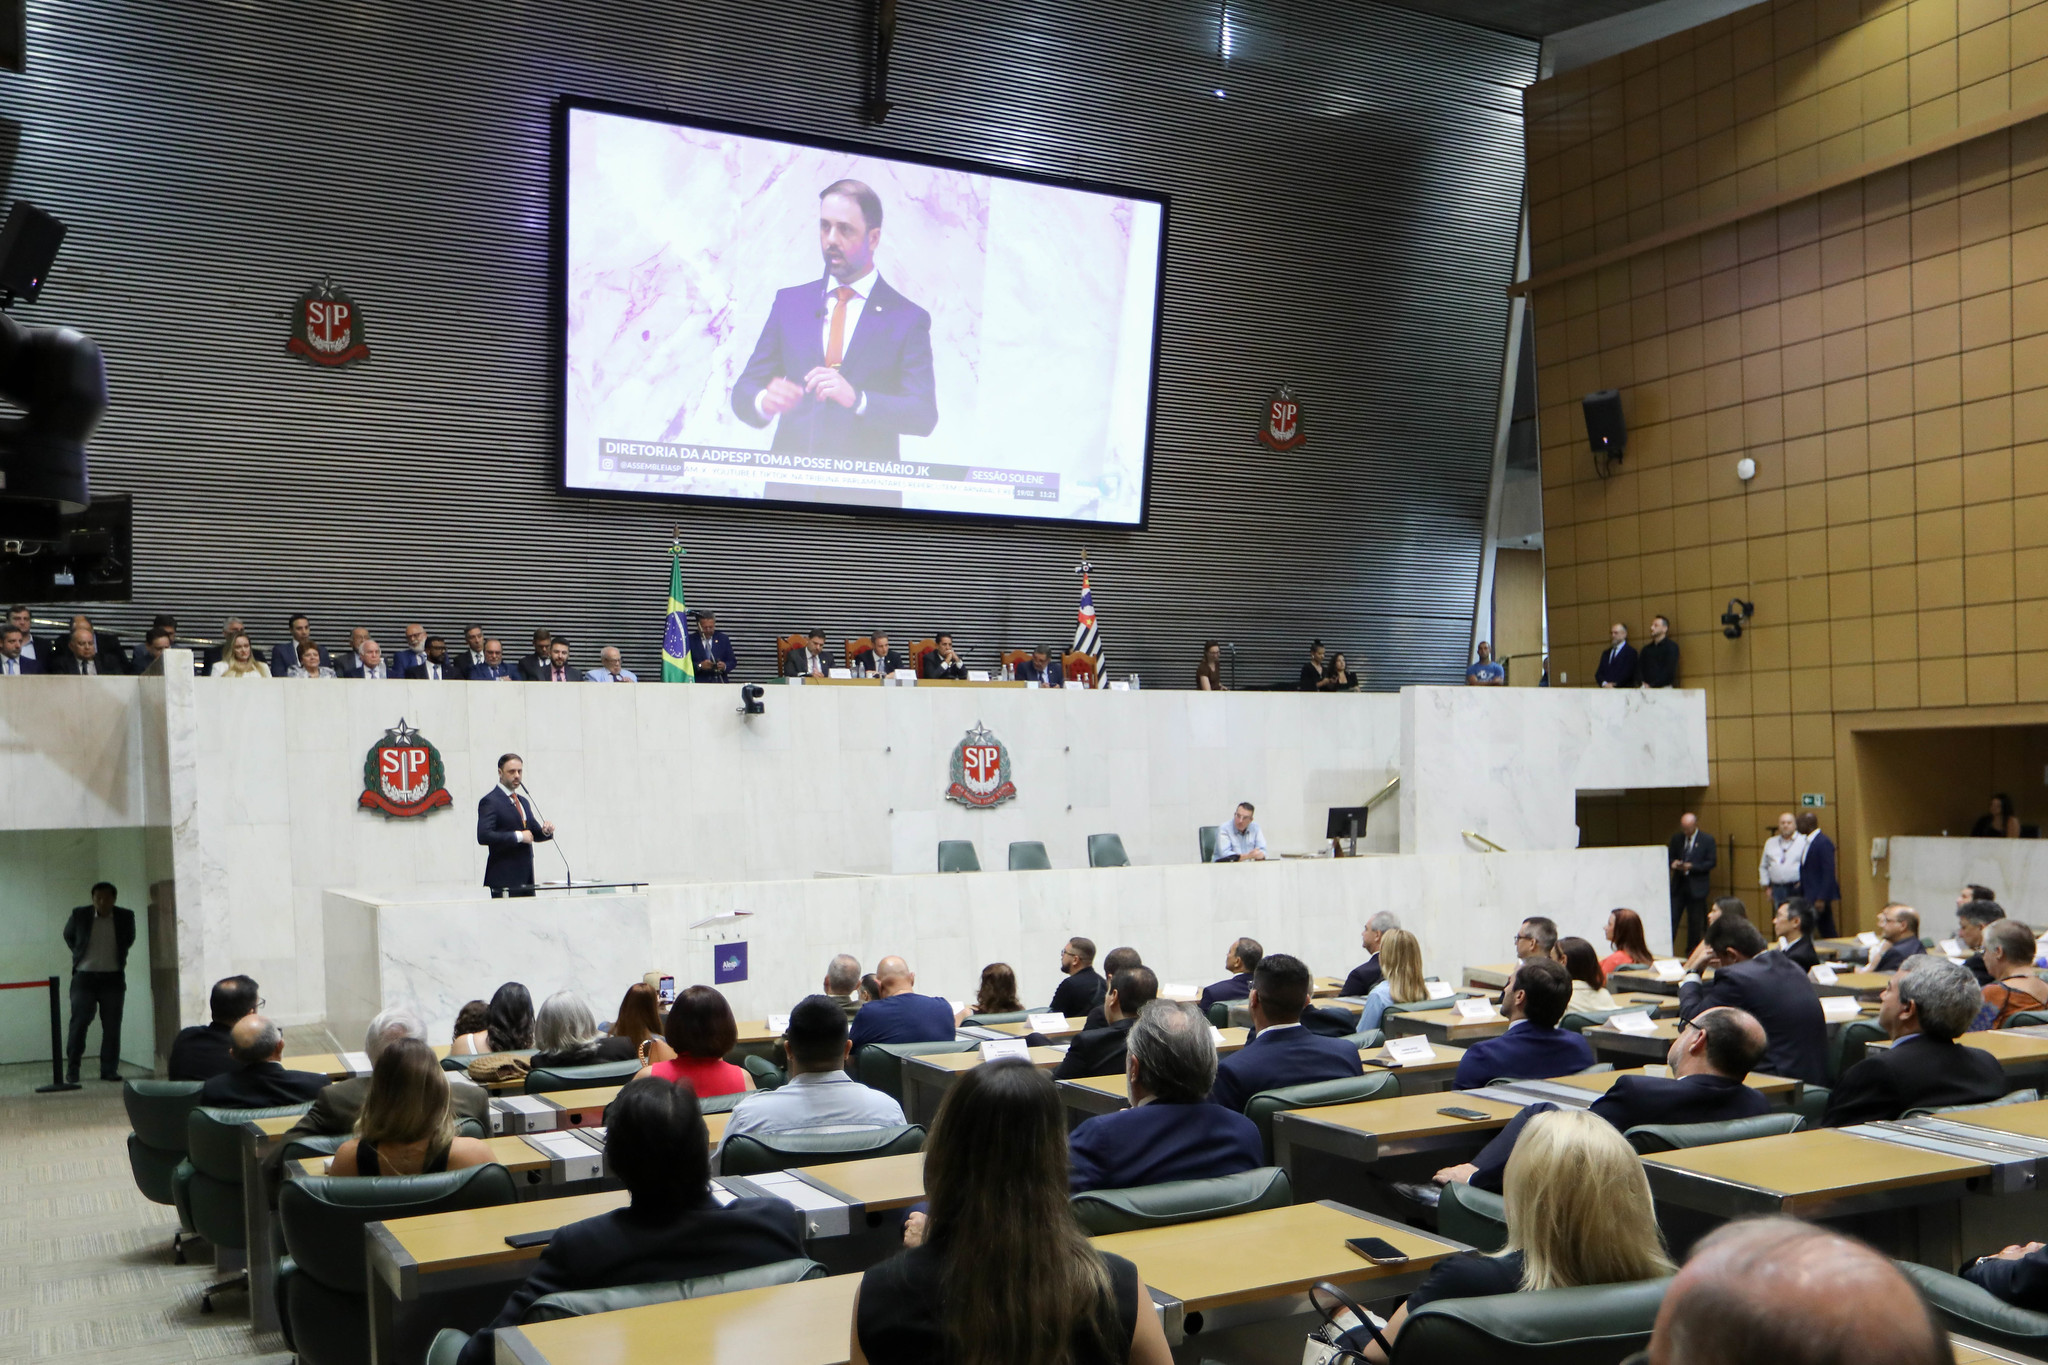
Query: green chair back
point(1578, 1021)
point(308, 1145)
point(1028, 855)
point(708, 1104)
point(1107, 850)
point(1418, 1006)
point(1219, 1014)
point(1182, 1201)
point(957, 855)
point(767, 1075)
point(1592, 1325)
point(1205, 839)
point(2012, 1097)
point(1476, 1217)
point(760, 1153)
point(1260, 1108)
point(984, 1020)
point(323, 1217)
point(580, 1303)
point(2026, 1019)
point(157, 1112)
point(881, 1064)
point(1848, 1045)
point(211, 1174)
point(1371, 1037)
point(1969, 1310)
point(542, 1080)
point(1812, 1103)
point(1672, 1137)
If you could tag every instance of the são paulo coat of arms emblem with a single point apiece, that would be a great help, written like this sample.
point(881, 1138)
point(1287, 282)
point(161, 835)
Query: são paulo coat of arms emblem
point(981, 771)
point(402, 774)
point(1282, 430)
point(327, 327)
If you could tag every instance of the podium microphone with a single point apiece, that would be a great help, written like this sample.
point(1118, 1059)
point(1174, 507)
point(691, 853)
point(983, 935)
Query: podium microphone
point(556, 840)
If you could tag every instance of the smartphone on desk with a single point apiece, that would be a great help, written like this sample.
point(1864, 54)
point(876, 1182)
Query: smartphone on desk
point(1454, 1112)
point(1378, 1250)
point(520, 1240)
point(1387, 1062)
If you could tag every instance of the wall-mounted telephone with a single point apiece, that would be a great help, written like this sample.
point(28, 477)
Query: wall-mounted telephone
point(1880, 849)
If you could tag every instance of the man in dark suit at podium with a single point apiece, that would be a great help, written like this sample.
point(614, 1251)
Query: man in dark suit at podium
point(845, 361)
point(508, 826)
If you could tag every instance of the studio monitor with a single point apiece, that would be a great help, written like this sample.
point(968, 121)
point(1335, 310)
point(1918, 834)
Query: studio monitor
point(1604, 427)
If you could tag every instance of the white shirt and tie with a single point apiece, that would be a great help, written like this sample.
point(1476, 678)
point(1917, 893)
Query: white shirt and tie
point(10, 667)
point(853, 298)
point(377, 672)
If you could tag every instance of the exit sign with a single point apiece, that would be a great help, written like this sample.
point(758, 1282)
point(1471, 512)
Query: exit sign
point(1813, 800)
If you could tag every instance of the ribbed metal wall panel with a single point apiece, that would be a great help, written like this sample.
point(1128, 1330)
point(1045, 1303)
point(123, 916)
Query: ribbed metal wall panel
point(1342, 220)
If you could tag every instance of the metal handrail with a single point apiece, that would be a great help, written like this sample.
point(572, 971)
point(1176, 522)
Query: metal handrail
point(1475, 834)
point(1381, 794)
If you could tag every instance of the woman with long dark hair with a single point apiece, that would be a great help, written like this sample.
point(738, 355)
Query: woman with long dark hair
point(639, 1018)
point(1625, 936)
point(508, 1024)
point(998, 993)
point(1004, 1275)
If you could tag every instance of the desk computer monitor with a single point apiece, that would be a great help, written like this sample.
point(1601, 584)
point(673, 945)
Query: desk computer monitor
point(1346, 822)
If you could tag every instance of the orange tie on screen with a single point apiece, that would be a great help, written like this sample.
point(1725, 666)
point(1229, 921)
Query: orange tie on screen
point(835, 345)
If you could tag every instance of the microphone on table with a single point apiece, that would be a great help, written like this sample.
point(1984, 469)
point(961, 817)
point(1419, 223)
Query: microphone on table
point(556, 839)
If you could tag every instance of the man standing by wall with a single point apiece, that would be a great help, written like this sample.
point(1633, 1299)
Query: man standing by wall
point(1818, 881)
point(1692, 860)
point(1618, 663)
point(1783, 857)
point(99, 936)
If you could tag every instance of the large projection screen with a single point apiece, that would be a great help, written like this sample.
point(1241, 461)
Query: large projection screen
point(766, 321)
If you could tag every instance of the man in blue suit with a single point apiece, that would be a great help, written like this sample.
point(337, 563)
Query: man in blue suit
point(844, 361)
point(1770, 986)
point(1041, 669)
point(1617, 666)
point(1281, 1051)
point(508, 825)
point(284, 657)
point(494, 668)
point(1169, 1132)
point(1534, 1046)
point(1241, 960)
point(13, 663)
point(710, 651)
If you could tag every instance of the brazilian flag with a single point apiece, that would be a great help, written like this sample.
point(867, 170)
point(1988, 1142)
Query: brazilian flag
point(675, 640)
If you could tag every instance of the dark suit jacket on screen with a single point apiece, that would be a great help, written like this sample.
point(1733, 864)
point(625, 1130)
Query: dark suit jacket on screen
point(1896, 954)
point(1363, 977)
point(498, 824)
point(1237, 987)
point(1281, 1057)
point(65, 663)
point(720, 649)
point(1817, 879)
point(888, 663)
point(889, 360)
point(1917, 1072)
point(1050, 676)
point(1774, 988)
point(1802, 952)
point(78, 935)
point(29, 666)
point(200, 1053)
point(450, 671)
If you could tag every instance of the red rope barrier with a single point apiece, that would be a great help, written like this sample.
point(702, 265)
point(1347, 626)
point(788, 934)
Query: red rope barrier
point(42, 985)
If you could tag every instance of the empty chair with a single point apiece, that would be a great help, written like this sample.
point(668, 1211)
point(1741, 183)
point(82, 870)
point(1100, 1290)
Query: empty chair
point(1588, 1325)
point(881, 1064)
point(211, 1176)
point(957, 855)
point(756, 1153)
point(1205, 840)
point(1028, 855)
point(1261, 1108)
point(1182, 1201)
point(157, 1112)
point(541, 1080)
point(1672, 1137)
point(1107, 850)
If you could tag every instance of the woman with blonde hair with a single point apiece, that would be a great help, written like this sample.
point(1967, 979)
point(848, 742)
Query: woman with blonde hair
point(1401, 980)
point(1578, 1211)
point(238, 659)
point(407, 1124)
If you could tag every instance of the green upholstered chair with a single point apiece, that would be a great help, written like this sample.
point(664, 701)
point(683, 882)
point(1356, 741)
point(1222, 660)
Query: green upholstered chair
point(1476, 1217)
point(211, 1175)
point(1009, 1017)
point(1592, 1325)
point(1971, 1311)
point(1260, 1108)
point(1028, 855)
point(881, 1064)
point(1205, 840)
point(2026, 1019)
point(447, 1347)
point(758, 1153)
point(1366, 1038)
point(2013, 1097)
point(1671, 1137)
point(323, 1283)
point(157, 1111)
point(1182, 1201)
point(1419, 1006)
point(1812, 1104)
point(1846, 1048)
point(1578, 1021)
point(541, 1080)
point(767, 1075)
point(720, 1104)
point(1107, 850)
point(957, 855)
point(1219, 1014)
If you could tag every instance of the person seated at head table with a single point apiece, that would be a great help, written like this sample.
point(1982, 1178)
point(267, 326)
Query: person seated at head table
point(1118, 959)
point(1793, 923)
point(1400, 959)
point(1772, 987)
point(1923, 1010)
point(1239, 839)
point(508, 1025)
point(1170, 1132)
point(1101, 1051)
point(1973, 917)
point(472, 1018)
point(878, 660)
point(407, 1123)
point(639, 1021)
point(1589, 983)
point(1701, 955)
point(999, 1270)
point(1081, 987)
point(1533, 1047)
point(1709, 1060)
point(336, 1107)
point(1041, 668)
point(1366, 975)
point(203, 1051)
point(899, 1014)
point(1537, 938)
point(1625, 936)
point(1281, 1052)
point(565, 1033)
point(1898, 938)
point(941, 661)
point(1793, 1293)
point(257, 1081)
point(998, 992)
point(1241, 959)
point(699, 1031)
point(656, 1143)
point(809, 662)
point(2008, 958)
point(819, 1095)
point(1578, 1213)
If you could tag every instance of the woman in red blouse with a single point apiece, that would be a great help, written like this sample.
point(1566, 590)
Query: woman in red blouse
point(700, 1028)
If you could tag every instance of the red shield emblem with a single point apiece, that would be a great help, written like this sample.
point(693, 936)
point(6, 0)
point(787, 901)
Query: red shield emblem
point(402, 775)
point(327, 327)
point(1283, 422)
point(981, 770)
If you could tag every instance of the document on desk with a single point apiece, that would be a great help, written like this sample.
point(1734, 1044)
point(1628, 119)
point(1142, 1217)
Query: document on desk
point(1412, 1050)
point(1840, 1008)
point(1867, 938)
point(778, 1024)
point(1439, 990)
point(1669, 969)
point(1821, 974)
point(1633, 1021)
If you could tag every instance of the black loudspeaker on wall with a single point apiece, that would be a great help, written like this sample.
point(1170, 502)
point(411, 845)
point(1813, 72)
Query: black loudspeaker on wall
point(1605, 428)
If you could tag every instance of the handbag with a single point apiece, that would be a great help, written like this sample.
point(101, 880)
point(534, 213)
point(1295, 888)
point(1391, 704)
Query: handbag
point(1330, 1344)
point(498, 1067)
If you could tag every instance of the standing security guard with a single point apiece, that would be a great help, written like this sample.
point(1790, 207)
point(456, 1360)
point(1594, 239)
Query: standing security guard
point(99, 936)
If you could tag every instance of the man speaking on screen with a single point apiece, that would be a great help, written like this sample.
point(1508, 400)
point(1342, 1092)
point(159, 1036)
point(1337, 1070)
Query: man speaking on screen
point(845, 362)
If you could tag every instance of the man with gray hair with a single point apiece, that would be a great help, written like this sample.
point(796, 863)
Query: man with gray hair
point(1924, 1009)
point(335, 1108)
point(1171, 1131)
point(258, 1081)
point(842, 983)
point(1367, 974)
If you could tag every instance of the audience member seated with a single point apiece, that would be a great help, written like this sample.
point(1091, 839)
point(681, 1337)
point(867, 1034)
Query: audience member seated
point(818, 1096)
point(1367, 974)
point(474, 1017)
point(309, 665)
point(656, 1143)
point(1791, 1293)
point(1241, 960)
point(942, 662)
point(1578, 1213)
point(406, 1125)
point(1793, 922)
point(1973, 917)
point(1924, 1009)
point(1082, 988)
point(898, 1014)
point(639, 1021)
point(999, 1270)
point(1536, 938)
point(1101, 1051)
point(701, 1029)
point(1625, 936)
point(1281, 1052)
point(1534, 1047)
point(1898, 938)
point(565, 1033)
point(1170, 1132)
point(998, 993)
point(870, 988)
point(201, 1052)
point(336, 1107)
point(257, 1081)
point(1770, 986)
point(1589, 982)
point(508, 1026)
point(239, 660)
point(1118, 959)
point(1399, 956)
point(1734, 907)
point(2018, 1274)
point(2008, 958)
point(842, 984)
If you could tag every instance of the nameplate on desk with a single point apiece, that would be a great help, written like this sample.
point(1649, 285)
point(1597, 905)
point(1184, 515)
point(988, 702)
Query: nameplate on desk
point(1120, 686)
point(1669, 969)
point(1076, 685)
point(1867, 939)
point(1054, 1022)
point(1821, 974)
point(903, 675)
point(1031, 684)
point(1174, 990)
point(977, 675)
point(1633, 1021)
point(358, 1063)
point(839, 673)
point(1840, 1008)
point(1659, 1070)
point(778, 1024)
point(996, 1049)
point(1411, 1050)
point(1475, 1010)
point(1439, 990)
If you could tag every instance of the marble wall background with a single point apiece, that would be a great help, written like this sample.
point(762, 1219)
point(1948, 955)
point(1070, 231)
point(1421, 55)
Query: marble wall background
point(1927, 873)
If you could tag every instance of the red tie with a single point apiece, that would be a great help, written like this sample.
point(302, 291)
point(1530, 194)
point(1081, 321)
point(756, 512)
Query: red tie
point(835, 345)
